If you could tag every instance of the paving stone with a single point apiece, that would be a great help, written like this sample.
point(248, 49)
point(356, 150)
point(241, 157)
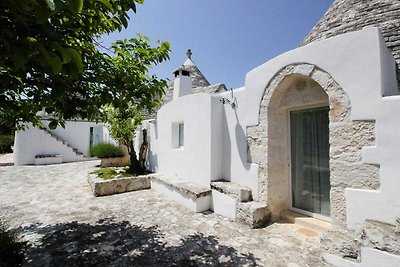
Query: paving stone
point(64, 224)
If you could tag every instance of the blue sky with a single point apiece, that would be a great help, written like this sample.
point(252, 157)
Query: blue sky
point(228, 38)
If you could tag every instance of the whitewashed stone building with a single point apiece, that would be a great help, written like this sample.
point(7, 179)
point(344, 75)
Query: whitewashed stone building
point(315, 131)
point(38, 146)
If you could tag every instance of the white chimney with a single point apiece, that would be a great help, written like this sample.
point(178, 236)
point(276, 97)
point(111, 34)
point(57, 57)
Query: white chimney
point(182, 82)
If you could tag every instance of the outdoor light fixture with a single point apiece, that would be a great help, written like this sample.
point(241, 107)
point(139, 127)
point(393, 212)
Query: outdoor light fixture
point(225, 100)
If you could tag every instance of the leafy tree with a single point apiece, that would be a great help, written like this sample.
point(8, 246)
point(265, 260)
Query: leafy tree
point(122, 124)
point(50, 59)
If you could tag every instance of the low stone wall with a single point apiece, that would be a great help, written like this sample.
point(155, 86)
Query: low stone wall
point(101, 187)
point(348, 243)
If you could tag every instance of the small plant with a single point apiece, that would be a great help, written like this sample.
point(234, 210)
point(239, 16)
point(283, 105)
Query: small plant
point(11, 251)
point(112, 172)
point(106, 150)
point(106, 173)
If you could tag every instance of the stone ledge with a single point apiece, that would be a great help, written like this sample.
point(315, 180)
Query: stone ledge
point(101, 187)
point(192, 190)
point(236, 191)
point(255, 214)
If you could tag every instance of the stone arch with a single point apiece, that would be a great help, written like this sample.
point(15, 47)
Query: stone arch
point(303, 85)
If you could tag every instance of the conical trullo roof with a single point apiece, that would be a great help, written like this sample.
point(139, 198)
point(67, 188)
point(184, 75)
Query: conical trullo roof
point(199, 83)
point(352, 15)
point(198, 79)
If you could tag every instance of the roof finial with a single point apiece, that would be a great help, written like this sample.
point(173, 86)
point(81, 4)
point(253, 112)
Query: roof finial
point(189, 54)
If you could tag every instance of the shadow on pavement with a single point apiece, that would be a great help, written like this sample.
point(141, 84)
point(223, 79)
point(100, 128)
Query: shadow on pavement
point(110, 243)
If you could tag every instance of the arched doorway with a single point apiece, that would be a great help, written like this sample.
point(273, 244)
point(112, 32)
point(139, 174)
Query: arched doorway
point(298, 146)
point(284, 144)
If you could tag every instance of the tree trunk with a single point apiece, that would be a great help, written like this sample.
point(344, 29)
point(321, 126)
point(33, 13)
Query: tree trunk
point(135, 166)
point(143, 151)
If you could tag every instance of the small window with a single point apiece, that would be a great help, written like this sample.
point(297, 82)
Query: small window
point(181, 135)
point(178, 135)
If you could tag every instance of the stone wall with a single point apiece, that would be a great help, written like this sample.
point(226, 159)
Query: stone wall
point(347, 243)
point(352, 15)
point(304, 85)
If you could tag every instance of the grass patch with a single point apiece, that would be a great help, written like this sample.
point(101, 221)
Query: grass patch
point(113, 172)
point(106, 173)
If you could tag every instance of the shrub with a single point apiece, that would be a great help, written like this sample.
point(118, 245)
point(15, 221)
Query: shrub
point(6, 141)
point(106, 150)
point(11, 251)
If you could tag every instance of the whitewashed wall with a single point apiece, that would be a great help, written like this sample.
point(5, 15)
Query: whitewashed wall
point(77, 134)
point(33, 141)
point(236, 166)
point(199, 159)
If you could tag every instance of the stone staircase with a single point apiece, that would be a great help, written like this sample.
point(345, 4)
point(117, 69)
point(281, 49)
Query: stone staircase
point(236, 202)
point(70, 153)
point(225, 198)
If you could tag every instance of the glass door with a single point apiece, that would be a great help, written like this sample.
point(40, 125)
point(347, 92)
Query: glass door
point(310, 184)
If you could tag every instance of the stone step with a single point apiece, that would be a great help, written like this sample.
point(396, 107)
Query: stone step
point(235, 191)
point(59, 139)
point(193, 196)
point(253, 213)
point(304, 221)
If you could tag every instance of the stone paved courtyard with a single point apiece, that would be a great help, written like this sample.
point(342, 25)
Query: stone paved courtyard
point(65, 225)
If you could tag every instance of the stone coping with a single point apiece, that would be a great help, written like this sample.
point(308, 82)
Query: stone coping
point(101, 187)
point(192, 190)
point(236, 191)
point(48, 156)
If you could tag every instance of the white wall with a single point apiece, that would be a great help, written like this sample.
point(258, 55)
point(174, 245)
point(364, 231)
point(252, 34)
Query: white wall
point(33, 141)
point(235, 164)
point(354, 60)
point(198, 160)
point(77, 134)
point(383, 204)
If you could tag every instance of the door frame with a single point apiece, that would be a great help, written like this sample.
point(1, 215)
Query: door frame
point(289, 164)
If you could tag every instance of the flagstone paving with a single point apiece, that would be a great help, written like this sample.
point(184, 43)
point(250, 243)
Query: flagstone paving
point(65, 225)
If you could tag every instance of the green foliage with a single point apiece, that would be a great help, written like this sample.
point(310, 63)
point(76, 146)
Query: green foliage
point(112, 172)
point(106, 150)
point(122, 124)
point(11, 250)
point(51, 58)
point(6, 141)
point(106, 173)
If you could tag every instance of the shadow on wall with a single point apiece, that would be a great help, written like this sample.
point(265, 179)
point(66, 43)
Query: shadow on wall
point(241, 140)
point(226, 148)
point(241, 143)
point(152, 159)
point(110, 243)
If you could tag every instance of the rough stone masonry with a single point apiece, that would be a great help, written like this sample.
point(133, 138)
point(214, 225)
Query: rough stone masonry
point(353, 15)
